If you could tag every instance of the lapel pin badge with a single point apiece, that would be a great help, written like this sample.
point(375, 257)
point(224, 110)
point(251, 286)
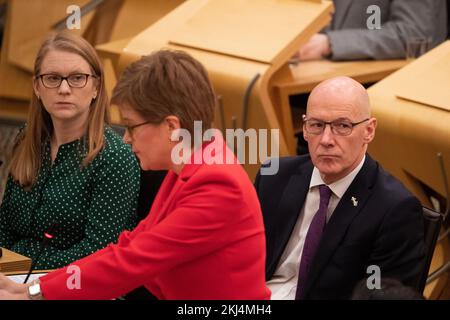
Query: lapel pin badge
point(355, 201)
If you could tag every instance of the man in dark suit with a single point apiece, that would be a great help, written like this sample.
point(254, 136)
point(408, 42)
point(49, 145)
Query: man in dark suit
point(353, 33)
point(371, 225)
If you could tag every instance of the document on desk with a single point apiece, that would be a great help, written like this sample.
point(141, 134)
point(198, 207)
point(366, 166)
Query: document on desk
point(19, 278)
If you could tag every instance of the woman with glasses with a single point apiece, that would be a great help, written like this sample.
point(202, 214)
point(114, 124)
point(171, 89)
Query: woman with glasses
point(204, 236)
point(70, 175)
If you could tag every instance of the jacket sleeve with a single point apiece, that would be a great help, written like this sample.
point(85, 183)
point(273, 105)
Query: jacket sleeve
point(399, 248)
point(200, 223)
point(412, 18)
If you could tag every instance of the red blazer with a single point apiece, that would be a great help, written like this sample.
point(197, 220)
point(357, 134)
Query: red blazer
point(203, 239)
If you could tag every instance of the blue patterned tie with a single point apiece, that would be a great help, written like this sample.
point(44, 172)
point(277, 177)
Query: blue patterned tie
point(313, 239)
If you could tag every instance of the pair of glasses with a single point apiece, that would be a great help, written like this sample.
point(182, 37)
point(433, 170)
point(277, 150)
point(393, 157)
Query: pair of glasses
point(75, 80)
point(130, 129)
point(340, 127)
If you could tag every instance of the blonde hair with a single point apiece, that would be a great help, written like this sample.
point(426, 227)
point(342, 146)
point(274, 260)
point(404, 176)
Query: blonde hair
point(27, 156)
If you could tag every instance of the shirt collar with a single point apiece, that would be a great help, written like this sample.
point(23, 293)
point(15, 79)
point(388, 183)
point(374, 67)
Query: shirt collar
point(338, 187)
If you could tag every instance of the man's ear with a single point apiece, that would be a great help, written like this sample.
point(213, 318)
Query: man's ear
point(305, 134)
point(369, 133)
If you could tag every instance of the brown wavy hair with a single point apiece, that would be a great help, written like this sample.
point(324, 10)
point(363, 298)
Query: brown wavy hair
point(27, 154)
point(168, 82)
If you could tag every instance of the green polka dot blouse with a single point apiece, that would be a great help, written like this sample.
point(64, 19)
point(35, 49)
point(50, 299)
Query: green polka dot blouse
point(90, 206)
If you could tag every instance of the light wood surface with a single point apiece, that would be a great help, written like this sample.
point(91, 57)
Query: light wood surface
point(430, 88)
point(22, 40)
point(27, 39)
point(257, 30)
point(13, 109)
point(13, 262)
point(435, 289)
point(232, 72)
point(18, 85)
point(410, 134)
point(304, 76)
point(136, 15)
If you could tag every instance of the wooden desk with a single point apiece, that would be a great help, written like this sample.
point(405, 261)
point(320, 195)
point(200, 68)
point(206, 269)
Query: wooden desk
point(410, 134)
point(240, 60)
point(441, 255)
point(13, 262)
point(13, 109)
point(304, 76)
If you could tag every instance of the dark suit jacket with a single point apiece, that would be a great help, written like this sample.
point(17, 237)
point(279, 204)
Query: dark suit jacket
point(384, 229)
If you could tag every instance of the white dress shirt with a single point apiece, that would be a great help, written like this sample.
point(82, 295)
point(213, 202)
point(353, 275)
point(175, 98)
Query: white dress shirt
point(284, 281)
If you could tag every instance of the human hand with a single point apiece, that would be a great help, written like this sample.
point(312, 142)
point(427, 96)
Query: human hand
point(10, 290)
point(317, 48)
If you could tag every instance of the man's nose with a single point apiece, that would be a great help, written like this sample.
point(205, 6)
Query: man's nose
point(327, 136)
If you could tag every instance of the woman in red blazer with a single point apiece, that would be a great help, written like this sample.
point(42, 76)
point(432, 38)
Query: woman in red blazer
point(204, 235)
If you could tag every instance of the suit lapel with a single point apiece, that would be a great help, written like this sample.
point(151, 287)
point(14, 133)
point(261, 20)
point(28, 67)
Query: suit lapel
point(343, 6)
point(164, 197)
point(173, 182)
point(287, 214)
point(342, 217)
point(169, 201)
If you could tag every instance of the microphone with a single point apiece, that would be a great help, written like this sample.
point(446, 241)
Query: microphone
point(48, 236)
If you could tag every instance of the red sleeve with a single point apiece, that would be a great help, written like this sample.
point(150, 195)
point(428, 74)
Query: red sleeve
point(124, 238)
point(201, 223)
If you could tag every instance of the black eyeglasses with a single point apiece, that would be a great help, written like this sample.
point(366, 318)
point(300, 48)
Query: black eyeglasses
point(341, 127)
point(130, 129)
point(75, 80)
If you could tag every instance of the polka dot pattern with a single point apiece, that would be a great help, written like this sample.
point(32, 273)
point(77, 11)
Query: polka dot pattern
point(90, 205)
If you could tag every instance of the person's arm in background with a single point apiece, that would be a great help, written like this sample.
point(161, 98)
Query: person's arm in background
point(113, 210)
point(407, 19)
point(412, 18)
